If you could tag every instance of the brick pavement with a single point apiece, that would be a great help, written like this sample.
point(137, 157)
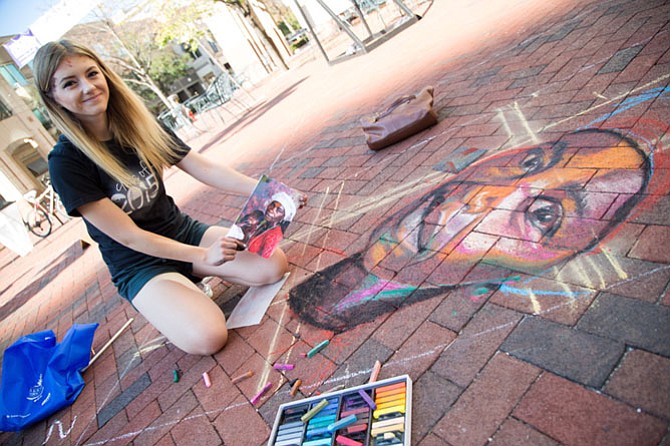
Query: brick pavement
point(510, 352)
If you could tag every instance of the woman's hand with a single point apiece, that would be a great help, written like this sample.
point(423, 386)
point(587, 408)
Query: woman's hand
point(302, 200)
point(224, 249)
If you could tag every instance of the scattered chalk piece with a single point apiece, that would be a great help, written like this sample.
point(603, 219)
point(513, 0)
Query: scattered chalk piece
point(260, 394)
point(175, 376)
point(317, 348)
point(243, 376)
point(205, 377)
point(374, 375)
point(296, 387)
point(278, 366)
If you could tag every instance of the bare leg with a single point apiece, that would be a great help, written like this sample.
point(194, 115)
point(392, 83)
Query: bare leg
point(247, 268)
point(185, 315)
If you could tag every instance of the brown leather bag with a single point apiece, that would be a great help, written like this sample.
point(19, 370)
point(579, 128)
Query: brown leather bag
point(404, 117)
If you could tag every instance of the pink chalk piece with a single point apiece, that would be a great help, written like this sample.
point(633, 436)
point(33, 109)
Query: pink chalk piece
point(278, 366)
point(205, 377)
point(345, 441)
point(263, 391)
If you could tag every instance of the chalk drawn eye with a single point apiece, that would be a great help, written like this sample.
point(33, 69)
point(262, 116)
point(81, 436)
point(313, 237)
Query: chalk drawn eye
point(545, 214)
point(533, 162)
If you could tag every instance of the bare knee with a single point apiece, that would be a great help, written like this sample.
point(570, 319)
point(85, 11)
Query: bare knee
point(205, 341)
point(274, 269)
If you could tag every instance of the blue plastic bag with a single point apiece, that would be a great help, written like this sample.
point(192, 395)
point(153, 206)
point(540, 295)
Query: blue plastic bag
point(40, 377)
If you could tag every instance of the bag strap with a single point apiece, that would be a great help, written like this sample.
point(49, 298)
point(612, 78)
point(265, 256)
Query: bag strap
point(397, 103)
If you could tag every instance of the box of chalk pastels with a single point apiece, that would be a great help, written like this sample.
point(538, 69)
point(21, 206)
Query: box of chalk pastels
point(374, 414)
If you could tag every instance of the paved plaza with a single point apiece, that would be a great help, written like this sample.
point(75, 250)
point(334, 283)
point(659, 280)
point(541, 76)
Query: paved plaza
point(512, 260)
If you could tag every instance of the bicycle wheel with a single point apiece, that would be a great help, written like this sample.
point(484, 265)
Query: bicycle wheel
point(39, 222)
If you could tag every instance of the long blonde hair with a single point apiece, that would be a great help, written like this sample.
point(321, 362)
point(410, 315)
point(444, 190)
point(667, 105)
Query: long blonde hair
point(131, 124)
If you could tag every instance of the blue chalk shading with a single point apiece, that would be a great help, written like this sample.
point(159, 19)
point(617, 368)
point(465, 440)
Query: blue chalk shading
point(527, 292)
point(629, 103)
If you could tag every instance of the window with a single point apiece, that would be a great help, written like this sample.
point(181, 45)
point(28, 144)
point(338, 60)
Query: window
point(5, 111)
point(12, 75)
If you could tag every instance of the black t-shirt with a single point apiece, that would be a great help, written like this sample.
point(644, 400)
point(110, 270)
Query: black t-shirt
point(79, 181)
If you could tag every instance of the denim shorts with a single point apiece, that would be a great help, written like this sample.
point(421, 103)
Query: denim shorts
point(135, 276)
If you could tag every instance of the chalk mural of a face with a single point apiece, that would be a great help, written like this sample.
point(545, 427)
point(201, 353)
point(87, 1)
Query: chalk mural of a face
point(524, 209)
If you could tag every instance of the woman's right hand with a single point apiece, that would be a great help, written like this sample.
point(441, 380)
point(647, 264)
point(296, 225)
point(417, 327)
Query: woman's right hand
point(224, 249)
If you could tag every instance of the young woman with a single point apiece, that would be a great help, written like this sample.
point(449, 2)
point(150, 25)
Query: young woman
point(107, 168)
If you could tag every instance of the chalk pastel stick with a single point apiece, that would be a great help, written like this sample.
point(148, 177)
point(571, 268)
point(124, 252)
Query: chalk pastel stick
point(246, 375)
point(344, 441)
point(205, 377)
point(367, 399)
point(388, 422)
point(388, 410)
point(344, 422)
point(314, 410)
point(390, 387)
point(355, 411)
point(317, 348)
point(389, 397)
point(395, 428)
point(258, 396)
point(389, 393)
point(397, 402)
point(311, 433)
point(357, 428)
point(296, 387)
point(278, 366)
point(375, 371)
point(319, 442)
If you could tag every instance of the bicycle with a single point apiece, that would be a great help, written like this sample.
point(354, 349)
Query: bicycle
point(38, 219)
point(54, 207)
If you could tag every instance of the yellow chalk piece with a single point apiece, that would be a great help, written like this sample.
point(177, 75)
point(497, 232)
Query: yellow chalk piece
point(391, 404)
point(393, 428)
point(379, 412)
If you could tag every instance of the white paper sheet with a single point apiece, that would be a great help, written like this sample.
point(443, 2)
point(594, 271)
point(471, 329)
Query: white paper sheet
point(253, 305)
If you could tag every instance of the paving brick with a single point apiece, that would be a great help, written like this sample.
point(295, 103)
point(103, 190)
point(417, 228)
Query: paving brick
point(576, 355)
point(168, 419)
point(642, 382)
point(650, 244)
point(630, 321)
point(403, 322)
point(109, 410)
point(620, 59)
point(574, 415)
point(433, 440)
point(476, 344)
point(357, 369)
point(475, 417)
point(515, 433)
point(241, 425)
point(432, 396)
point(195, 430)
point(419, 352)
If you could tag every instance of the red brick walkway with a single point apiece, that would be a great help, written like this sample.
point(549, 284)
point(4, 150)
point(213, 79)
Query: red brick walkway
point(569, 343)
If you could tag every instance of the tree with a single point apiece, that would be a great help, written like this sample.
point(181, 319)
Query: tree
point(146, 67)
